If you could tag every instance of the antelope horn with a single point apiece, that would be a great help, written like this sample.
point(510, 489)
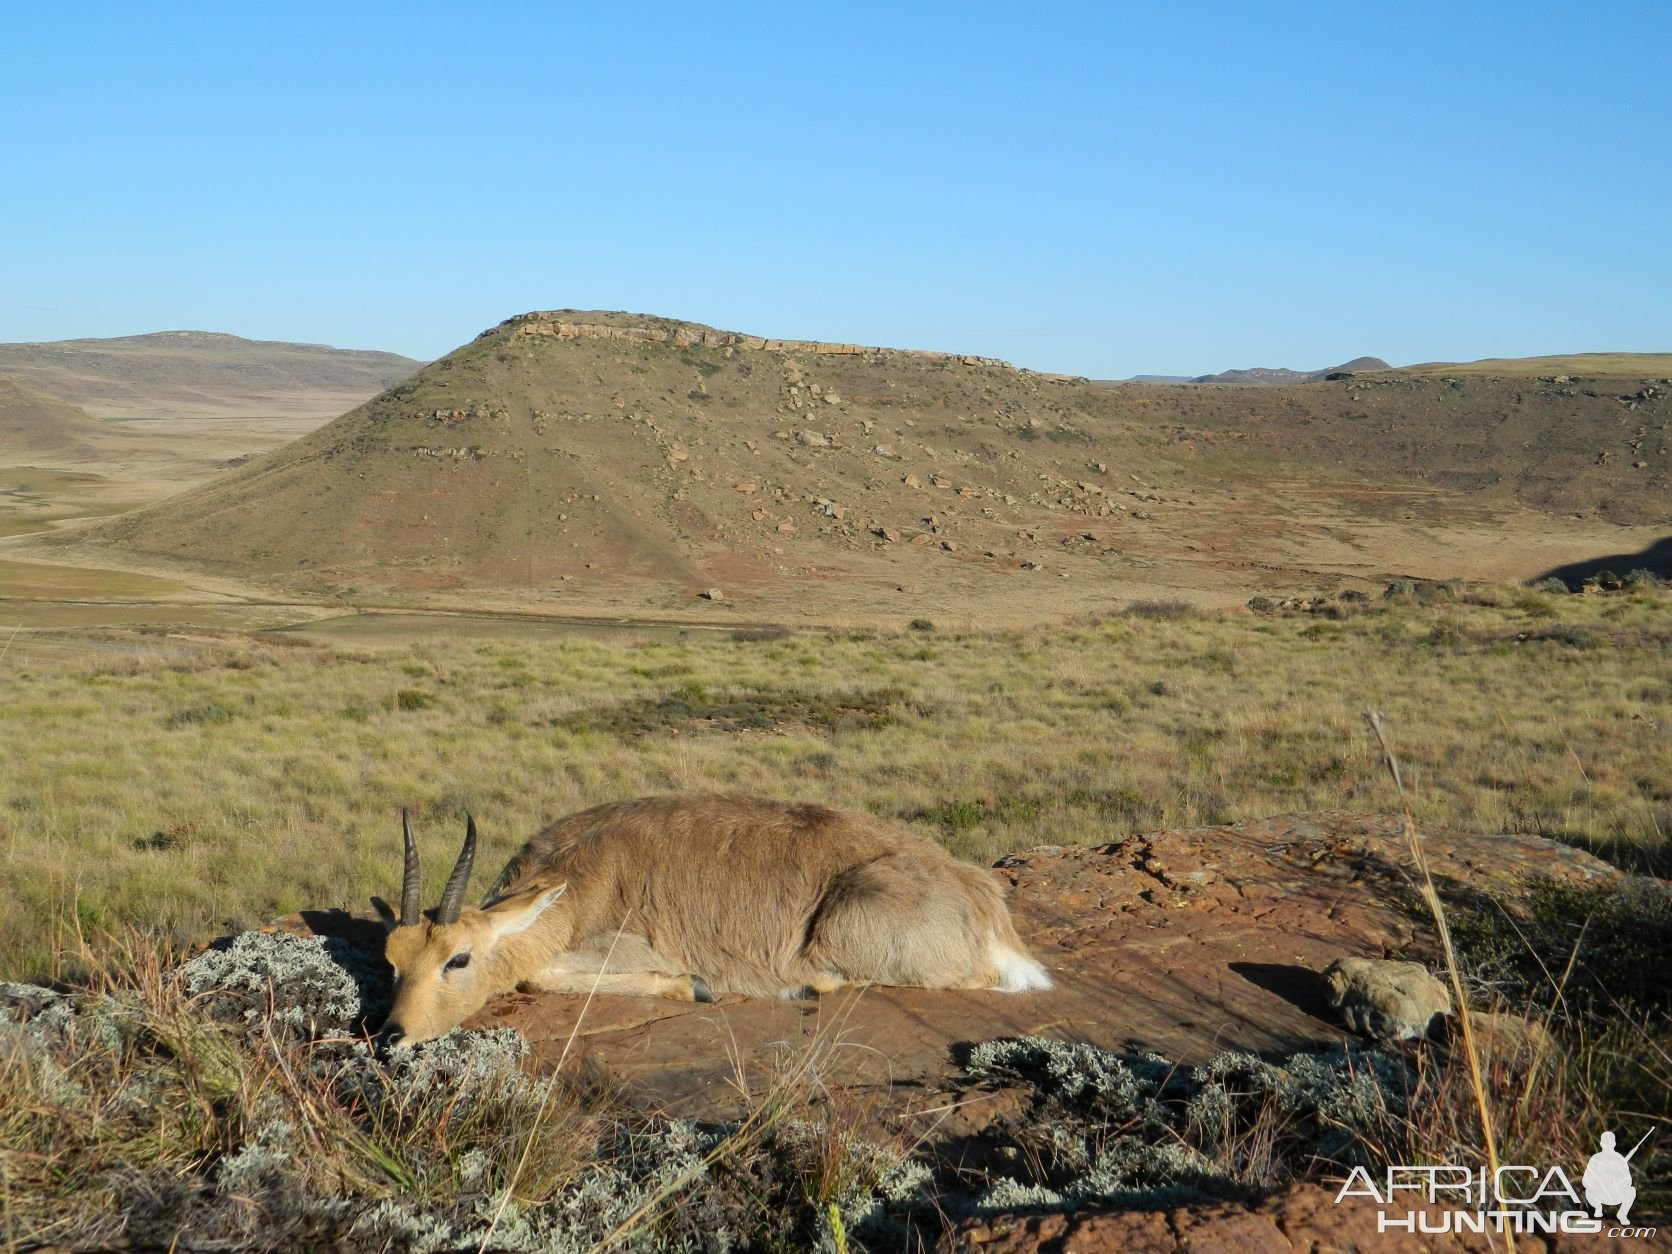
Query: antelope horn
point(410, 906)
point(452, 897)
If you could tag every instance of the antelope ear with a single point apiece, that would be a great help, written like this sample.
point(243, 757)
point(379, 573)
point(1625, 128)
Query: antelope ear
point(519, 914)
point(390, 922)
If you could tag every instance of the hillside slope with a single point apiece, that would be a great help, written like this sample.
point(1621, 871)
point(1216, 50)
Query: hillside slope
point(35, 424)
point(1596, 444)
point(203, 374)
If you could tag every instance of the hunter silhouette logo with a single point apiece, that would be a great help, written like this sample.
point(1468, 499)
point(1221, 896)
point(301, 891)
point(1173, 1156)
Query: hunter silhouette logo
point(1607, 1178)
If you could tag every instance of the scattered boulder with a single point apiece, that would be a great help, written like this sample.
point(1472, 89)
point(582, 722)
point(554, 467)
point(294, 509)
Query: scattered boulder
point(1386, 1000)
point(712, 594)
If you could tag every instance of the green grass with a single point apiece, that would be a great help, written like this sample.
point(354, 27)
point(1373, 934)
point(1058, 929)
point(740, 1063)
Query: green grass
point(276, 768)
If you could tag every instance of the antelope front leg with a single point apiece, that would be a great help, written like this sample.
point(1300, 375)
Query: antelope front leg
point(623, 966)
point(620, 984)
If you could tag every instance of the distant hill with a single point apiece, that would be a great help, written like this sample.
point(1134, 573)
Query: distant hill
point(1582, 365)
point(203, 374)
point(34, 424)
point(644, 459)
point(1270, 375)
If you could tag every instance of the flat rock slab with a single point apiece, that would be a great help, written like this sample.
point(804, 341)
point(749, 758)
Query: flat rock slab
point(1183, 942)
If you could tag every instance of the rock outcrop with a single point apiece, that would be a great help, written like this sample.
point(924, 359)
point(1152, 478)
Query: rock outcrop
point(690, 335)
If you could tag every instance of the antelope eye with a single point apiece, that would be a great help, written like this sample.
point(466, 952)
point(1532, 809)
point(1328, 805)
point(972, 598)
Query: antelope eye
point(458, 962)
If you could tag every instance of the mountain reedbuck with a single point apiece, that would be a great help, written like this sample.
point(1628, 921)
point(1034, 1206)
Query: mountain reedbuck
point(691, 897)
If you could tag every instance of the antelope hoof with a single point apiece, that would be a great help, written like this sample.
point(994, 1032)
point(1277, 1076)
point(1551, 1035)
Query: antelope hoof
point(699, 990)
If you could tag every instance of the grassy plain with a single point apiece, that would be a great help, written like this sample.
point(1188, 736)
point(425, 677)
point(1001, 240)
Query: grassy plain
point(205, 782)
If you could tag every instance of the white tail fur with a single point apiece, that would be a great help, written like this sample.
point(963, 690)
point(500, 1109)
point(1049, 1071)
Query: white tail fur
point(1018, 973)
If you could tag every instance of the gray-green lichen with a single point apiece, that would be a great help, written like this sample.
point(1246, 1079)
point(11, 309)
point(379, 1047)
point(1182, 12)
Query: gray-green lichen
point(293, 985)
point(1134, 1130)
point(44, 1027)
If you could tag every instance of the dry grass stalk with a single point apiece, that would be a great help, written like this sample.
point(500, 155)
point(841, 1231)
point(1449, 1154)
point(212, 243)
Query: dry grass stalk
point(1431, 898)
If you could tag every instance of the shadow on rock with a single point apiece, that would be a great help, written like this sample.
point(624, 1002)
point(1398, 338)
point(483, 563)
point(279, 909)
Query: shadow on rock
point(1301, 987)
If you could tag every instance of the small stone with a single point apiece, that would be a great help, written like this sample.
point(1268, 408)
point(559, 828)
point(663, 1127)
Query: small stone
point(711, 594)
point(814, 439)
point(951, 546)
point(1387, 1000)
point(747, 488)
point(912, 481)
point(1507, 1040)
point(888, 534)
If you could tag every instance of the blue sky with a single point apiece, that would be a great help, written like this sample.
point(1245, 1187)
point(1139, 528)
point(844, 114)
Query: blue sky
point(1099, 188)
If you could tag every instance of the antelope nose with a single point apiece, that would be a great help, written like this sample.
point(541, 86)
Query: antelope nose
point(392, 1034)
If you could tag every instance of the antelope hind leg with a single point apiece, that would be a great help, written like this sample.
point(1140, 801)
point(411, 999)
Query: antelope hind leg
point(878, 925)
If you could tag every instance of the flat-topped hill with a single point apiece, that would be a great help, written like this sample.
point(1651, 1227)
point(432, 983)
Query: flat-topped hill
point(641, 460)
point(572, 447)
point(203, 374)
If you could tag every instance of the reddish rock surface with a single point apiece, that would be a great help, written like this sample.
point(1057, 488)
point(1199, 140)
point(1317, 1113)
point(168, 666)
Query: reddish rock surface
point(1303, 1220)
